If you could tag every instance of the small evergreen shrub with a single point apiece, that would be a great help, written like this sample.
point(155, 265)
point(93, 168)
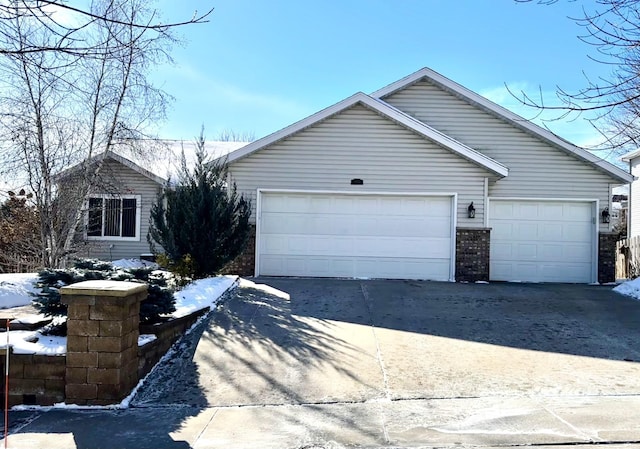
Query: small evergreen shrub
point(159, 303)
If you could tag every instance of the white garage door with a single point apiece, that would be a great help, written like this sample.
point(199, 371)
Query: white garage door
point(359, 236)
point(542, 241)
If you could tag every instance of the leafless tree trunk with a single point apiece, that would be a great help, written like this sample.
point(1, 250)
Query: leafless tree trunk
point(62, 108)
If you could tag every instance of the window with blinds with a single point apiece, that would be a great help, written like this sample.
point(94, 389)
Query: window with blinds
point(109, 217)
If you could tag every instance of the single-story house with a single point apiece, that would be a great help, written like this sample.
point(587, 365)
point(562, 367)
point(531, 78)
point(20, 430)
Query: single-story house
point(116, 213)
point(633, 205)
point(422, 179)
point(425, 179)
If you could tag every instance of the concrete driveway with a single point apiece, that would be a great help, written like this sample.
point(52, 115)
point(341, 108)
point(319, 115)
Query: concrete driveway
point(326, 363)
point(304, 363)
point(302, 341)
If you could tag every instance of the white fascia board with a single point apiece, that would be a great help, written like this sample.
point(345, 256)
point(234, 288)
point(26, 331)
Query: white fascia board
point(630, 155)
point(116, 157)
point(506, 114)
point(292, 129)
point(438, 137)
point(135, 167)
point(386, 110)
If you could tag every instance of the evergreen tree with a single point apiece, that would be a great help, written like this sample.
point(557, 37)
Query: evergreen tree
point(159, 303)
point(201, 222)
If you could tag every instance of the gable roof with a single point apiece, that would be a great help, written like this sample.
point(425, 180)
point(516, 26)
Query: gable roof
point(116, 157)
point(163, 162)
point(630, 155)
point(387, 111)
point(501, 112)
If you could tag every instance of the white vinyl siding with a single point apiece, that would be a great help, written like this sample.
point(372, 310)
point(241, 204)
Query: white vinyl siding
point(634, 200)
point(359, 143)
point(126, 182)
point(536, 169)
point(355, 235)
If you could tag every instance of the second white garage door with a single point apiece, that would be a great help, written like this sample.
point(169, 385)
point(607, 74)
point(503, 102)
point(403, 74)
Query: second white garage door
point(542, 241)
point(355, 236)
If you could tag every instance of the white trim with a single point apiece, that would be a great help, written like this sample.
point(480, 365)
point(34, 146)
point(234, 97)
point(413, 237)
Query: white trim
point(596, 243)
point(454, 214)
point(454, 227)
point(357, 192)
point(595, 221)
point(486, 202)
point(258, 221)
point(138, 199)
point(504, 113)
point(630, 155)
point(116, 157)
point(389, 112)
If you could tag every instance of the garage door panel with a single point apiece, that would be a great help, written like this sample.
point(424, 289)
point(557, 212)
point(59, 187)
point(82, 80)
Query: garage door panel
point(541, 241)
point(346, 235)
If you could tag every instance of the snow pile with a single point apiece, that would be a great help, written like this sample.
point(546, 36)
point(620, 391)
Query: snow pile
point(146, 338)
point(33, 342)
point(133, 263)
point(202, 293)
point(16, 289)
point(196, 296)
point(629, 288)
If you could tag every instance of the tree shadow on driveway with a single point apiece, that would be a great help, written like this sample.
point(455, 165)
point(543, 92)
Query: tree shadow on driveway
point(583, 320)
point(256, 352)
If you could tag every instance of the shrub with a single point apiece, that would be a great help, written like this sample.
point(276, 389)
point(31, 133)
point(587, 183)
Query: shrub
point(202, 222)
point(160, 300)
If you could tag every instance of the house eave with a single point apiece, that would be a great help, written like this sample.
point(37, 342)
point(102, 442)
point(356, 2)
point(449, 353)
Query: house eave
point(386, 110)
point(514, 119)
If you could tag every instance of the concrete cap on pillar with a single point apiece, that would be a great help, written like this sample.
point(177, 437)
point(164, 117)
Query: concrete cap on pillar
point(118, 289)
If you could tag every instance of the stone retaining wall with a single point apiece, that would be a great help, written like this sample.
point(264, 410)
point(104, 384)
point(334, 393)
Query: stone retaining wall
point(166, 335)
point(34, 379)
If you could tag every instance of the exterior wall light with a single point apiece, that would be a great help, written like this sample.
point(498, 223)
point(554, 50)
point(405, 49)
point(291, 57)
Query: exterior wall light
point(606, 217)
point(471, 210)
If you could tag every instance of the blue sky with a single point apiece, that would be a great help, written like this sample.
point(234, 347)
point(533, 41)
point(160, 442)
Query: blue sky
point(259, 66)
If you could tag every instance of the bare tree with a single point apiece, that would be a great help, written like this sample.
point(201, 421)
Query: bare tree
point(612, 103)
point(66, 24)
point(230, 135)
point(60, 108)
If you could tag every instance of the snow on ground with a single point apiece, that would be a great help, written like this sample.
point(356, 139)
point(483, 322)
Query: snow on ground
point(201, 293)
point(146, 338)
point(33, 342)
point(16, 289)
point(133, 263)
point(629, 288)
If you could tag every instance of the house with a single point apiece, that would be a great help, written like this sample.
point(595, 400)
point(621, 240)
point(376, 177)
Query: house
point(633, 216)
point(117, 211)
point(425, 179)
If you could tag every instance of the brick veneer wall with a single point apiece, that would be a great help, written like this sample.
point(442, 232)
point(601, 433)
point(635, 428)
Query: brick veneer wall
point(607, 257)
point(244, 264)
point(34, 379)
point(472, 254)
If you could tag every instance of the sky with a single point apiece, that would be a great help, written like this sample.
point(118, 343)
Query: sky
point(259, 66)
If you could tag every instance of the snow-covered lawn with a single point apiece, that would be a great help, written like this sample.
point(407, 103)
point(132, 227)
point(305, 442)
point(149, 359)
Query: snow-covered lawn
point(15, 291)
point(629, 288)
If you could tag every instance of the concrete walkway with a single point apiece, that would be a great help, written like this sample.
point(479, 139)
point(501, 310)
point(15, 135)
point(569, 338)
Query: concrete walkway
point(481, 422)
point(306, 363)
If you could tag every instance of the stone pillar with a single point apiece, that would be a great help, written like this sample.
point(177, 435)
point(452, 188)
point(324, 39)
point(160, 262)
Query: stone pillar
point(472, 254)
point(102, 340)
point(607, 257)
